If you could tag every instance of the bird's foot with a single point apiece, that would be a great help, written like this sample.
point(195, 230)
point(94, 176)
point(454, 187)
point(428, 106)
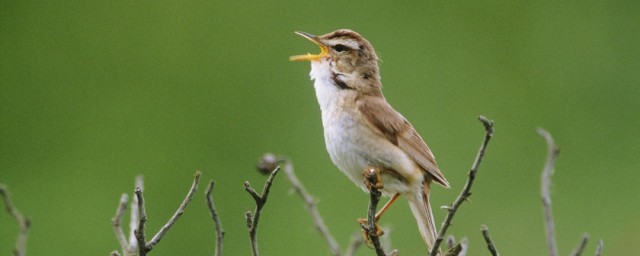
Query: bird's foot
point(367, 234)
point(372, 178)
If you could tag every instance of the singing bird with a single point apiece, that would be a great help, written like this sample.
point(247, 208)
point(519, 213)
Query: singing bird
point(361, 129)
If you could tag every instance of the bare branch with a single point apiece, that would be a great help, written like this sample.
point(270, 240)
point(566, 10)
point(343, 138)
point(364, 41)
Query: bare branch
point(454, 250)
point(466, 191)
point(599, 248)
point(371, 229)
point(487, 239)
point(117, 220)
point(145, 247)
point(135, 218)
point(583, 243)
point(355, 244)
point(156, 238)
point(261, 200)
point(216, 220)
point(308, 200)
point(464, 243)
point(24, 224)
point(544, 191)
point(139, 232)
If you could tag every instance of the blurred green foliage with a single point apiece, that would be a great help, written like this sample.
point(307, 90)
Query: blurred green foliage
point(93, 93)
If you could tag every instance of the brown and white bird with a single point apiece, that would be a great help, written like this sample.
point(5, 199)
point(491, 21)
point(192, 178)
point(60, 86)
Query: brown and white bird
point(362, 131)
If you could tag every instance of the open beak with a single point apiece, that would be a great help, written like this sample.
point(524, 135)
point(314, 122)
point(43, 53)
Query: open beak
point(324, 50)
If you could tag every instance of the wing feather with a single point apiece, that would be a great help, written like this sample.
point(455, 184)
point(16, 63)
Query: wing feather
point(393, 126)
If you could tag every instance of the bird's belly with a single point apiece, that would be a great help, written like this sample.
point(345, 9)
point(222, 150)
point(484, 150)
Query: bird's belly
point(354, 147)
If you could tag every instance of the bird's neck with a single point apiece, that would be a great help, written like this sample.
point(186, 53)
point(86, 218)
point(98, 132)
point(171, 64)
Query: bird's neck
point(335, 90)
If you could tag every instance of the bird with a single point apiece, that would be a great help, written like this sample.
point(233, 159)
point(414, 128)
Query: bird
point(363, 131)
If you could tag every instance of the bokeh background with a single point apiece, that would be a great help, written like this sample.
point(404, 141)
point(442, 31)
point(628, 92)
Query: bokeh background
point(93, 93)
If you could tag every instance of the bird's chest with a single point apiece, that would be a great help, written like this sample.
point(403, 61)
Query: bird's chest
point(347, 142)
point(354, 147)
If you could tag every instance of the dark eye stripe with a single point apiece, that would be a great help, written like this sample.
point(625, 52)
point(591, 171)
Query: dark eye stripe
point(340, 48)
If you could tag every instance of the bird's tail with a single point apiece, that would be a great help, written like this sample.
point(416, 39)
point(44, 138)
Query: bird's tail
point(421, 209)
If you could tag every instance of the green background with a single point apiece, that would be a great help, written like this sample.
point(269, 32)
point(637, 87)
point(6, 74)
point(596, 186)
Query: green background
point(93, 93)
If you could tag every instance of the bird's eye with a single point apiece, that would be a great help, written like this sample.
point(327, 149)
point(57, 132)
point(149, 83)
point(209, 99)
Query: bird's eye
point(340, 48)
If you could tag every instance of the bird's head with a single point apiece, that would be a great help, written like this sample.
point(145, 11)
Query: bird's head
point(352, 59)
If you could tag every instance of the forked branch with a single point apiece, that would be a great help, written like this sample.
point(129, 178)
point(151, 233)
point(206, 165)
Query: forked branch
point(261, 200)
point(137, 239)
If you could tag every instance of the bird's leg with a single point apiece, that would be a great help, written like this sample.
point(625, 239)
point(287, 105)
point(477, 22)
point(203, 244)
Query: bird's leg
point(386, 206)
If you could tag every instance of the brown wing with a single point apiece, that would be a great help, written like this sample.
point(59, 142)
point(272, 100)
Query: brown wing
point(393, 126)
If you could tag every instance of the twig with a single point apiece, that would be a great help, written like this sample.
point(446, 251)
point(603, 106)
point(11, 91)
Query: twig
point(583, 243)
point(156, 238)
point(216, 220)
point(454, 250)
point(139, 231)
point(599, 248)
point(117, 220)
point(261, 200)
point(544, 191)
point(135, 218)
point(310, 204)
point(24, 224)
point(487, 239)
point(145, 247)
point(372, 177)
point(465, 193)
point(464, 243)
point(355, 244)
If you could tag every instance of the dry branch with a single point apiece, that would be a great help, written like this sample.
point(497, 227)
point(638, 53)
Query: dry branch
point(137, 239)
point(139, 232)
point(466, 191)
point(216, 220)
point(485, 233)
point(24, 224)
point(545, 194)
point(354, 244)
point(583, 243)
point(261, 200)
point(599, 248)
point(310, 204)
point(116, 221)
point(135, 218)
point(156, 238)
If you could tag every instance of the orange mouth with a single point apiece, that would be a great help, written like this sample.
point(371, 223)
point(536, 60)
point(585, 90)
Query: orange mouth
point(324, 50)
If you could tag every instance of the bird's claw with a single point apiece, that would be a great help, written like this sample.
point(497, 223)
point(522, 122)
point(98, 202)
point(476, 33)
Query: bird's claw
point(372, 178)
point(367, 234)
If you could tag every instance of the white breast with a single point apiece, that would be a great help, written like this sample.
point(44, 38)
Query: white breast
point(351, 144)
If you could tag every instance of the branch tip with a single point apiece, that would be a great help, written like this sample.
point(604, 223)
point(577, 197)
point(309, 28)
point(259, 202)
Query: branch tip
point(583, 243)
point(216, 219)
point(466, 190)
point(485, 233)
point(545, 187)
